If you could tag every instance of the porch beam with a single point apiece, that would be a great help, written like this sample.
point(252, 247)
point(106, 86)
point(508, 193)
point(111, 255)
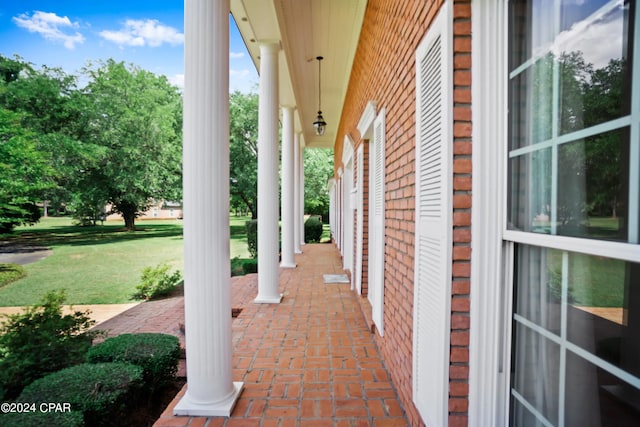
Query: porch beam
point(207, 286)
point(268, 201)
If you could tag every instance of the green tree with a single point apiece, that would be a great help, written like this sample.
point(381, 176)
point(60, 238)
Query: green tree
point(606, 98)
point(318, 168)
point(23, 171)
point(51, 107)
point(243, 151)
point(135, 117)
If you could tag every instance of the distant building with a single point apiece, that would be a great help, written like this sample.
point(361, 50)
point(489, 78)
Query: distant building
point(159, 210)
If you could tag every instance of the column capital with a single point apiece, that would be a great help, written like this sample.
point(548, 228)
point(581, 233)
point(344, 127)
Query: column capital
point(270, 45)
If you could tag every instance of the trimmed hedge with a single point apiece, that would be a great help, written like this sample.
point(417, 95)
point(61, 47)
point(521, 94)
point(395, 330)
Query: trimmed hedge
point(156, 354)
point(250, 266)
point(312, 229)
point(39, 341)
point(102, 392)
point(252, 237)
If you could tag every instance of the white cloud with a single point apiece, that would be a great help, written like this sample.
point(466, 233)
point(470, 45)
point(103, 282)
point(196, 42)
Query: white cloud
point(51, 27)
point(236, 55)
point(149, 32)
point(177, 80)
point(599, 38)
point(243, 80)
point(239, 73)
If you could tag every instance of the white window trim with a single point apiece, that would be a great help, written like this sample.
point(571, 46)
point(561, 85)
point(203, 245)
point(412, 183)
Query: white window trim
point(492, 242)
point(365, 124)
point(347, 207)
point(488, 349)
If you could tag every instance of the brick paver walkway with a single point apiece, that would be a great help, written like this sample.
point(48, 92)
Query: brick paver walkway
point(310, 361)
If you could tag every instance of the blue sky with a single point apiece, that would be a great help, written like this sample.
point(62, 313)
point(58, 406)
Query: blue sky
point(148, 33)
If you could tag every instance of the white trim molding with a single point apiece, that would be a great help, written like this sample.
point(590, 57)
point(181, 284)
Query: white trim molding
point(365, 125)
point(488, 359)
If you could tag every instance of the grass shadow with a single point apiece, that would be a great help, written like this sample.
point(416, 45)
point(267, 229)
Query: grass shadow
point(93, 235)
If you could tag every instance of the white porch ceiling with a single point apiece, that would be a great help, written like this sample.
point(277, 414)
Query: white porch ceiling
point(306, 29)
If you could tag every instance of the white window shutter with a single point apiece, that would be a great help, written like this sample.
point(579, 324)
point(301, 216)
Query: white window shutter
point(433, 241)
point(359, 218)
point(376, 235)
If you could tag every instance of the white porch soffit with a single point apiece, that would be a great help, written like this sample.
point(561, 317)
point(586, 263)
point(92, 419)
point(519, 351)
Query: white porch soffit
point(306, 29)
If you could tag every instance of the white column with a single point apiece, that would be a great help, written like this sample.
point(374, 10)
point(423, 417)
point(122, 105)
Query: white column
point(301, 218)
point(268, 228)
point(207, 297)
point(296, 191)
point(288, 197)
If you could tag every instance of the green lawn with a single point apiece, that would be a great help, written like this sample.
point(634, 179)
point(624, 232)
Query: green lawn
point(102, 264)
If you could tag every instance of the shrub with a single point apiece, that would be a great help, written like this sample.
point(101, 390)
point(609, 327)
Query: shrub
point(312, 229)
point(250, 266)
point(252, 237)
point(10, 273)
point(101, 392)
point(236, 267)
point(157, 282)
point(41, 340)
point(156, 354)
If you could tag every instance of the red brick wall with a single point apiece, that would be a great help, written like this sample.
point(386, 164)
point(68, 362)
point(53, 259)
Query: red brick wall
point(460, 302)
point(384, 71)
point(361, 178)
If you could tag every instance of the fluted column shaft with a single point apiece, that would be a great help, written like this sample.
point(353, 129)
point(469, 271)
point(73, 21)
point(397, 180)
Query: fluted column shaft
point(296, 191)
point(287, 210)
point(301, 195)
point(268, 228)
point(207, 297)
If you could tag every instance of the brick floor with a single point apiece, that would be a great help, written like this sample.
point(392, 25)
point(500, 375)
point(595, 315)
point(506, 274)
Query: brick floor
point(310, 361)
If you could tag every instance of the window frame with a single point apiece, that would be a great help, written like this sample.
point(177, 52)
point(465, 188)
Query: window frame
point(493, 257)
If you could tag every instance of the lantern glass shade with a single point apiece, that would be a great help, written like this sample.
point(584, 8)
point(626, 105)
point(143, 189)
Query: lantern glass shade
point(320, 125)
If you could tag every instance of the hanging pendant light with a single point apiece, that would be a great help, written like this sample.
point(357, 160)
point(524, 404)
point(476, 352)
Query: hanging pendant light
point(319, 125)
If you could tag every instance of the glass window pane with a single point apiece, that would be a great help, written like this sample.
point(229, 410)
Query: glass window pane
point(539, 286)
point(530, 29)
point(531, 110)
point(530, 192)
point(592, 192)
point(604, 309)
point(536, 362)
point(520, 416)
point(590, 96)
point(596, 28)
point(594, 397)
point(594, 81)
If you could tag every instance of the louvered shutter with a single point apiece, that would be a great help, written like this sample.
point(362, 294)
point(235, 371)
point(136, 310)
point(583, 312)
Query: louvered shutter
point(432, 285)
point(376, 258)
point(359, 218)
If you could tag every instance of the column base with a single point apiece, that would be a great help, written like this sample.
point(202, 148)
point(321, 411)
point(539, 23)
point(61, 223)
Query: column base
point(185, 407)
point(268, 300)
point(297, 251)
point(288, 264)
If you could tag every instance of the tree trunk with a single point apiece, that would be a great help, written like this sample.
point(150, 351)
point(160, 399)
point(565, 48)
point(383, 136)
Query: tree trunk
point(129, 222)
point(128, 211)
